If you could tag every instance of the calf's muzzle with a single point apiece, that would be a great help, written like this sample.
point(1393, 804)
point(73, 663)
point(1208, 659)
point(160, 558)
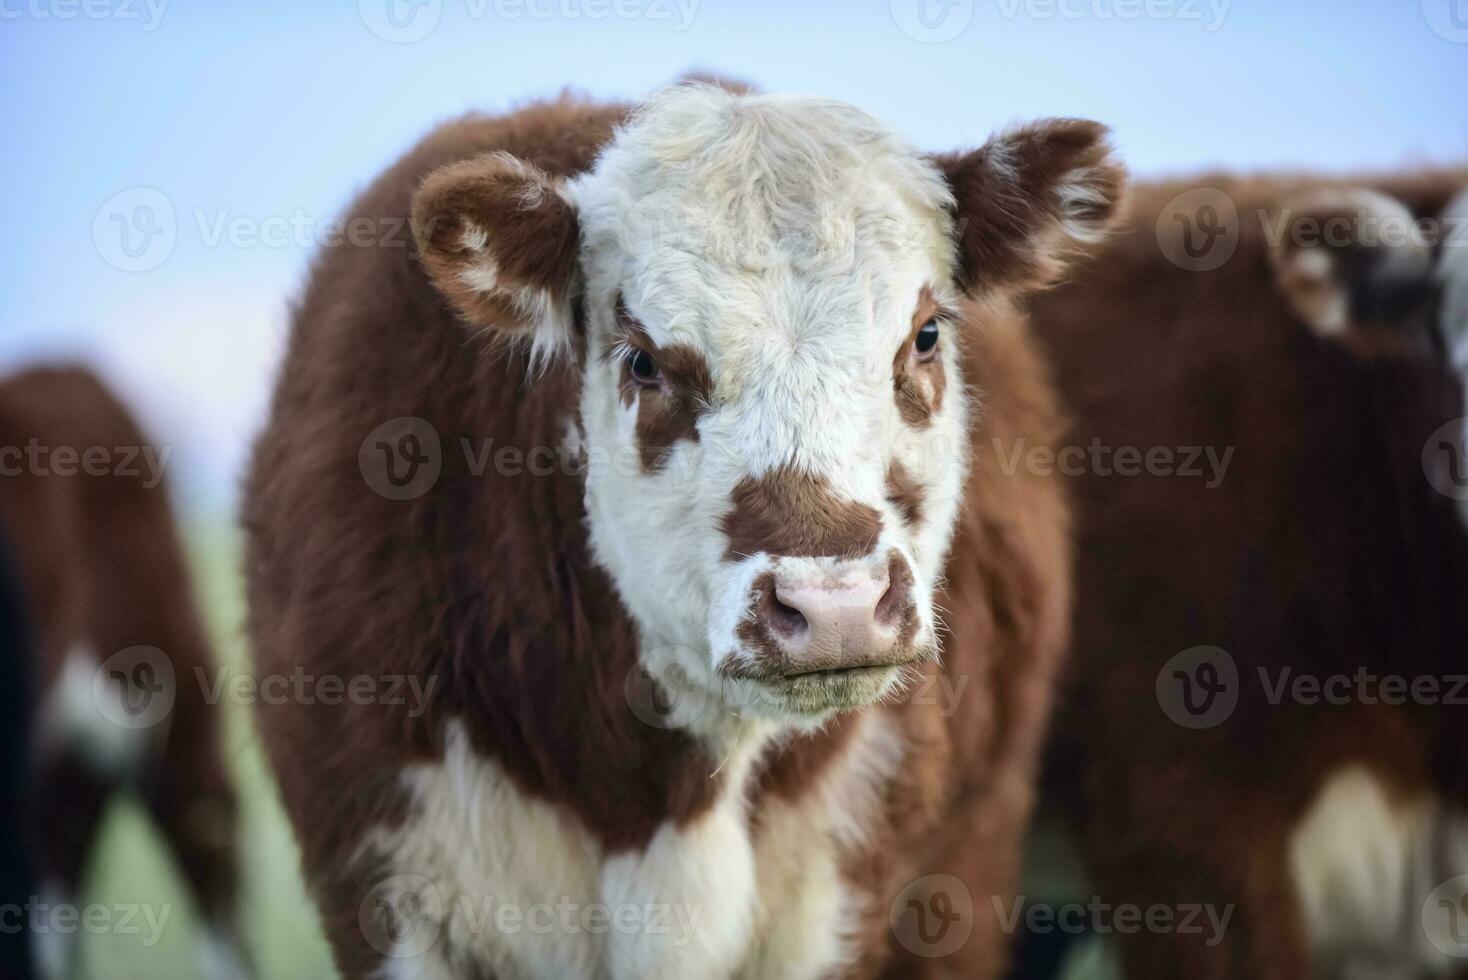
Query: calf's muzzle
point(845, 620)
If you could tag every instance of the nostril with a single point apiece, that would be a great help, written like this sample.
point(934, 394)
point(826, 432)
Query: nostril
point(896, 602)
point(784, 619)
point(787, 619)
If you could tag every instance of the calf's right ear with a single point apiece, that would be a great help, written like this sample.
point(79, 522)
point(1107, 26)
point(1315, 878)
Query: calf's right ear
point(500, 239)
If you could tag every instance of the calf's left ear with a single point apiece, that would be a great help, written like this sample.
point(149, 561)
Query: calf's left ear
point(501, 241)
point(1029, 200)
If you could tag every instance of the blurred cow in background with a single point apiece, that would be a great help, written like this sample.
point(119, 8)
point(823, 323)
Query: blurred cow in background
point(1268, 715)
point(118, 639)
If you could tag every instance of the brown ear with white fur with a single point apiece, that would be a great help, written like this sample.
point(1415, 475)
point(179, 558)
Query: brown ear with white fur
point(1029, 200)
point(501, 242)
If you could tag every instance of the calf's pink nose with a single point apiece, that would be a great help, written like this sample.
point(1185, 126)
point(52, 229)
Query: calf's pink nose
point(855, 622)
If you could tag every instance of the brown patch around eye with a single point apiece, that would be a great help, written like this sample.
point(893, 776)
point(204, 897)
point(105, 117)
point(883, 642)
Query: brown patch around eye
point(670, 413)
point(905, 493)
point(918, 385)
point(792, 513)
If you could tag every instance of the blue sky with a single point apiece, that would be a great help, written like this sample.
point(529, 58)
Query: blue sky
point(268, 116)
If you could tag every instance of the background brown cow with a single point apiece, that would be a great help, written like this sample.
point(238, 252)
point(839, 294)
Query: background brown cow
point(119, 706)
point(1221, 744)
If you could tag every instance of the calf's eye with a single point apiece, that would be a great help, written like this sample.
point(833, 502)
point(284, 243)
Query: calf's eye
point(927, 339)
point(644, 369)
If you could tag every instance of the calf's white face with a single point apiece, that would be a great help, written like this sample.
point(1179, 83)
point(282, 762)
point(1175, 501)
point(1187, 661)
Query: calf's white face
point(767, 299)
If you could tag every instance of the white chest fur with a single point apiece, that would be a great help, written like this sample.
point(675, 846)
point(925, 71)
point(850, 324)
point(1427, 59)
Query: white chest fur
point(490, 877)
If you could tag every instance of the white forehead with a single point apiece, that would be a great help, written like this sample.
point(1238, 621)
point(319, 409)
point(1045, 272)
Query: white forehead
point(744, 225)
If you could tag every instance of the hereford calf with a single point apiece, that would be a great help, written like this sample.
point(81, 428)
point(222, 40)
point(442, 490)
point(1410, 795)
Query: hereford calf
point(118, 639)
point(1264, 728)
point(654, 461)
